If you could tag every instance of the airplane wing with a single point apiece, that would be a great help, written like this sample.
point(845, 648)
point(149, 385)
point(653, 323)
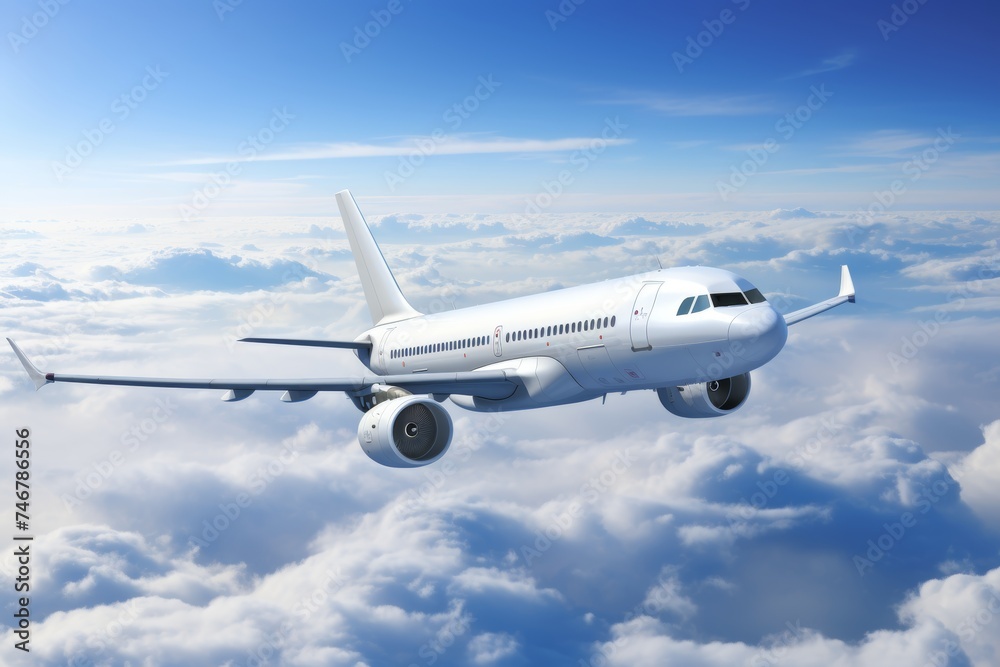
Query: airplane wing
point(846, 294)
point(493, 384)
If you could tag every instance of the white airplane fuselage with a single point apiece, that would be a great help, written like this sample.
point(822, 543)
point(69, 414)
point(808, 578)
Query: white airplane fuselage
point(584, 342)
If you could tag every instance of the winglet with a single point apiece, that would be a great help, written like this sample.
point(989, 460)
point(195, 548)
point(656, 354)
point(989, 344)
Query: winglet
point(36, 375)
point(846, 283)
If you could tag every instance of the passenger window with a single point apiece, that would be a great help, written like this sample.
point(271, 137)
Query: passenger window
point(591, 324)
point(605, 323)
point(685, 306)
point(584, 326)
point(700, 304)
point(613, 318)
point(508, 337)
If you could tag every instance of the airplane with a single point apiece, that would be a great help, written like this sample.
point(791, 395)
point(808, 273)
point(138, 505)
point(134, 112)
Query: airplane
point(691, 334)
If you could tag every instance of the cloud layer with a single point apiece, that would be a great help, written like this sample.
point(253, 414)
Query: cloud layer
point(846, 515)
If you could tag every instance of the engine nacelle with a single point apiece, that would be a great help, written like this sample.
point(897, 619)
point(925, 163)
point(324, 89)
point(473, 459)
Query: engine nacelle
point(708, 399)
point(406, 432)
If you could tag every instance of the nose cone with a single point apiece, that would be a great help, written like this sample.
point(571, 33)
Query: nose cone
point(757, 334)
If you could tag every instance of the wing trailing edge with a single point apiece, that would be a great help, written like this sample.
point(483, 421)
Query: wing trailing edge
point(495, 384)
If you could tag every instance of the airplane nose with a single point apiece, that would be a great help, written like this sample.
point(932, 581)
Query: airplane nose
point(758, 334)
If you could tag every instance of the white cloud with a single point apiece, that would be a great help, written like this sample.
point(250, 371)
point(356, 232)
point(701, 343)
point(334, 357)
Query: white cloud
point(378, 566)
point(703, 105)
point(831, 64)
point(978, 474)
point(422, 145)
point(489, 647)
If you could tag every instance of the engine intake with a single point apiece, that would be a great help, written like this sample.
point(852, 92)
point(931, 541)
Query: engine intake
point(708, 399)
point(406, 432)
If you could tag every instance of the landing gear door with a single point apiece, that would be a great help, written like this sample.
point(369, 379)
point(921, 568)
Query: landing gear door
point(640, 316)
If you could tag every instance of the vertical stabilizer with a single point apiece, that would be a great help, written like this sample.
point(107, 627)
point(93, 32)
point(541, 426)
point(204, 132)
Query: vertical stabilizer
point(385, 300)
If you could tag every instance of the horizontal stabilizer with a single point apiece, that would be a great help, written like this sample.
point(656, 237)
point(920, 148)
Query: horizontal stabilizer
point(344, 344)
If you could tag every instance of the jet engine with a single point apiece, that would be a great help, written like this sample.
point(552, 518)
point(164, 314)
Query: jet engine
point(708, 399)
point(405, 432)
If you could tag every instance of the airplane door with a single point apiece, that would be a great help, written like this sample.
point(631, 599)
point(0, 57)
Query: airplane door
point(497, 335)
point(640, 316)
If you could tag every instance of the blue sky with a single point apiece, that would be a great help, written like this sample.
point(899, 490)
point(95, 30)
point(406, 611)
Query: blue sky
point(203, 212)
point(685, 128)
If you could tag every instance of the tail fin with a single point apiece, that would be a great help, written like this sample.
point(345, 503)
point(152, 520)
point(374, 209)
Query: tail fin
point(385, 300)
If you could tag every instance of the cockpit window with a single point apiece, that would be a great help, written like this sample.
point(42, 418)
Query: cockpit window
point(685, 306)
point(729, 299)
point(754, 296)
point(700, 304)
